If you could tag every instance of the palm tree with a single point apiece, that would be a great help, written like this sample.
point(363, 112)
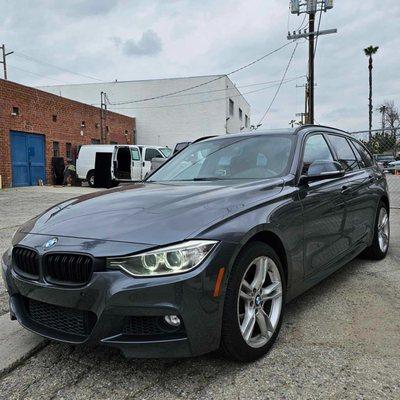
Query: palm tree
point(369, 52)
point(382, 110)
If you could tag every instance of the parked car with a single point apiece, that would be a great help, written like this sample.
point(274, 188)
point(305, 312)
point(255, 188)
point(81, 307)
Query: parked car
point(127, 163)
point(180, 146)
point(157, 162)
point(207, 251)
point(383, 160)
point(393, 167)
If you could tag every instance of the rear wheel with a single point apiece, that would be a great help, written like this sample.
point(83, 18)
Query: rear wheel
point(380, 242)
point(90, 178)
point(254, 303)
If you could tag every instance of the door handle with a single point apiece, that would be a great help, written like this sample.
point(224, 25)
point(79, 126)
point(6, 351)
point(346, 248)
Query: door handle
point(371, 179)
point(345, 189)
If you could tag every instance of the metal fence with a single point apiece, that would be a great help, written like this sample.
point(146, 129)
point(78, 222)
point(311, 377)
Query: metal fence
point(385, 146)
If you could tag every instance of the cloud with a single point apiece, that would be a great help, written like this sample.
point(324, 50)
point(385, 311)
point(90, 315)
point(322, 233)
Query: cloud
point(90, 7)
point(149, 44)
point(210, 37)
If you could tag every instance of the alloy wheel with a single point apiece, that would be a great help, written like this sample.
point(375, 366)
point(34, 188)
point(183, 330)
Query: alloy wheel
point(259, 303)
point(383, 229)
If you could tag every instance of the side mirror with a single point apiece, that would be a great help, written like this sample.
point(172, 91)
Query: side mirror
point(323, 169)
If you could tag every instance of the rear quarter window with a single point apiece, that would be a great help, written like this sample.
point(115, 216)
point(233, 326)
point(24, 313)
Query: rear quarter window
point(366, 158)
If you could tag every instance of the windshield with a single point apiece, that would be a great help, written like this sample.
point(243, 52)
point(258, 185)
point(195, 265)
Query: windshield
point(165, 151)
point(257, 157)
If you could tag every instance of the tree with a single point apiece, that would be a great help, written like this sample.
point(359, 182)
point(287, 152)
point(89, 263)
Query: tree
point(390, 123)
point(369, 52)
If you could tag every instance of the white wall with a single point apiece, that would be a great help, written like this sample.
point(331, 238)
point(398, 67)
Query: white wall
point(234, 124)
point(182, 117)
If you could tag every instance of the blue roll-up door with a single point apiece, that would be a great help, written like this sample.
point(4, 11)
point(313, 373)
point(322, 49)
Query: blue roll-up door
point(27, 158)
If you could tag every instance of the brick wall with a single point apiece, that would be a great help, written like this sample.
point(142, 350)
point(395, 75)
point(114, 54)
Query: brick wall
point(59, 119)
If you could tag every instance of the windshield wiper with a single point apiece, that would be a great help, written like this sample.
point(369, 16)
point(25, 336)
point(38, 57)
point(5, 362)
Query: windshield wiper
point(210, 178)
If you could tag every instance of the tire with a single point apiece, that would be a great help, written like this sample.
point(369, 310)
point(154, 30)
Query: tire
point(90, 178)
point(237, 309)
point(380, 243)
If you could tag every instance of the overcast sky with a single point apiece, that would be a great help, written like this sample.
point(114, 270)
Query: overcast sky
point(144, 39)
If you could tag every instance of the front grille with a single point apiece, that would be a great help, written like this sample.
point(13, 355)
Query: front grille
point(149, 326)
point(68, 268)
point(26, 262)
point(63, 319)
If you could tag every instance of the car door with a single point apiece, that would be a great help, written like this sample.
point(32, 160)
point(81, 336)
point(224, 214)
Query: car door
point(324, 210)
point(360, 204)
point(360, 199)
point(136, 164)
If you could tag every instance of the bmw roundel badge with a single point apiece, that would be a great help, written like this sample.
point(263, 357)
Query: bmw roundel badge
point(50, 243)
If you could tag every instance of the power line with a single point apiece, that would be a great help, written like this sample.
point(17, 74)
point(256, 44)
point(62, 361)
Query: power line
point(36, 74)
point(21, 55)
point(280, 85)
point(221, 90)
point(204, 83)
point(204, 101)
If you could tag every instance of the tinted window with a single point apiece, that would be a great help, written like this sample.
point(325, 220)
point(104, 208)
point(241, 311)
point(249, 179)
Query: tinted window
point(231, 107)
point(315, 149)
point(180, 146)
point(257, 157)
point(56, 149)
point(152, 153)
point(68, 150)
point(366, 158)
point(345, 154)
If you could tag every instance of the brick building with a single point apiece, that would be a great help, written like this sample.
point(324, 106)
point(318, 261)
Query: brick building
point(36, 126)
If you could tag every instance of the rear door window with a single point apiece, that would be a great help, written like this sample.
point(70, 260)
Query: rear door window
point(135, 154)
point(315, 149)
point(344, 152)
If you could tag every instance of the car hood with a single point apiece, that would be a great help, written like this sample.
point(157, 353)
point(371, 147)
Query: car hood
point(150, 213)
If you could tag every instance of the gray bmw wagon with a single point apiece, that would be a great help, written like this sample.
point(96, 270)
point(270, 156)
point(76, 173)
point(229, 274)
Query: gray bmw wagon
point(207, 251)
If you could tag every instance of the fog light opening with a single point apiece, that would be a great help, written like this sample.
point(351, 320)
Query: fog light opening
point(172, 320)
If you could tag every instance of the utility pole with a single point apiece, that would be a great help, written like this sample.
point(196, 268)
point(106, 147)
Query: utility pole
point(383, 111)
point(303, 117)
point(310, 75)
point(4, 59)
point(103, 118)
point(310, 7)
point(305, 113)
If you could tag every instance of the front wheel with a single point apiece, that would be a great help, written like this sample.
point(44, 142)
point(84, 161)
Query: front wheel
point(254, 303)
point(380, 242)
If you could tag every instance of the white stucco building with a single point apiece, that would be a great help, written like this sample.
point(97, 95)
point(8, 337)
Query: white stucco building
point(214, 108)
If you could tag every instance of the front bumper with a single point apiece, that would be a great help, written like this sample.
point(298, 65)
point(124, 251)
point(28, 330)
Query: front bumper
point(112, 297)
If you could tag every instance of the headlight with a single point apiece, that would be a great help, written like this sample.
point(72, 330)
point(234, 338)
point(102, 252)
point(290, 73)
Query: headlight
point(169, 260)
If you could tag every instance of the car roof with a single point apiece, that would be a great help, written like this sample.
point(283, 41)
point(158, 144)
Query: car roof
point(282, 131)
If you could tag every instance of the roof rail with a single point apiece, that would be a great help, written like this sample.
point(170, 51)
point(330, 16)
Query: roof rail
point(318, 126)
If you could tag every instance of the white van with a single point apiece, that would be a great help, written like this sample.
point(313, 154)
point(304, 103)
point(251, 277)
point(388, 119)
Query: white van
point(129, 162)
